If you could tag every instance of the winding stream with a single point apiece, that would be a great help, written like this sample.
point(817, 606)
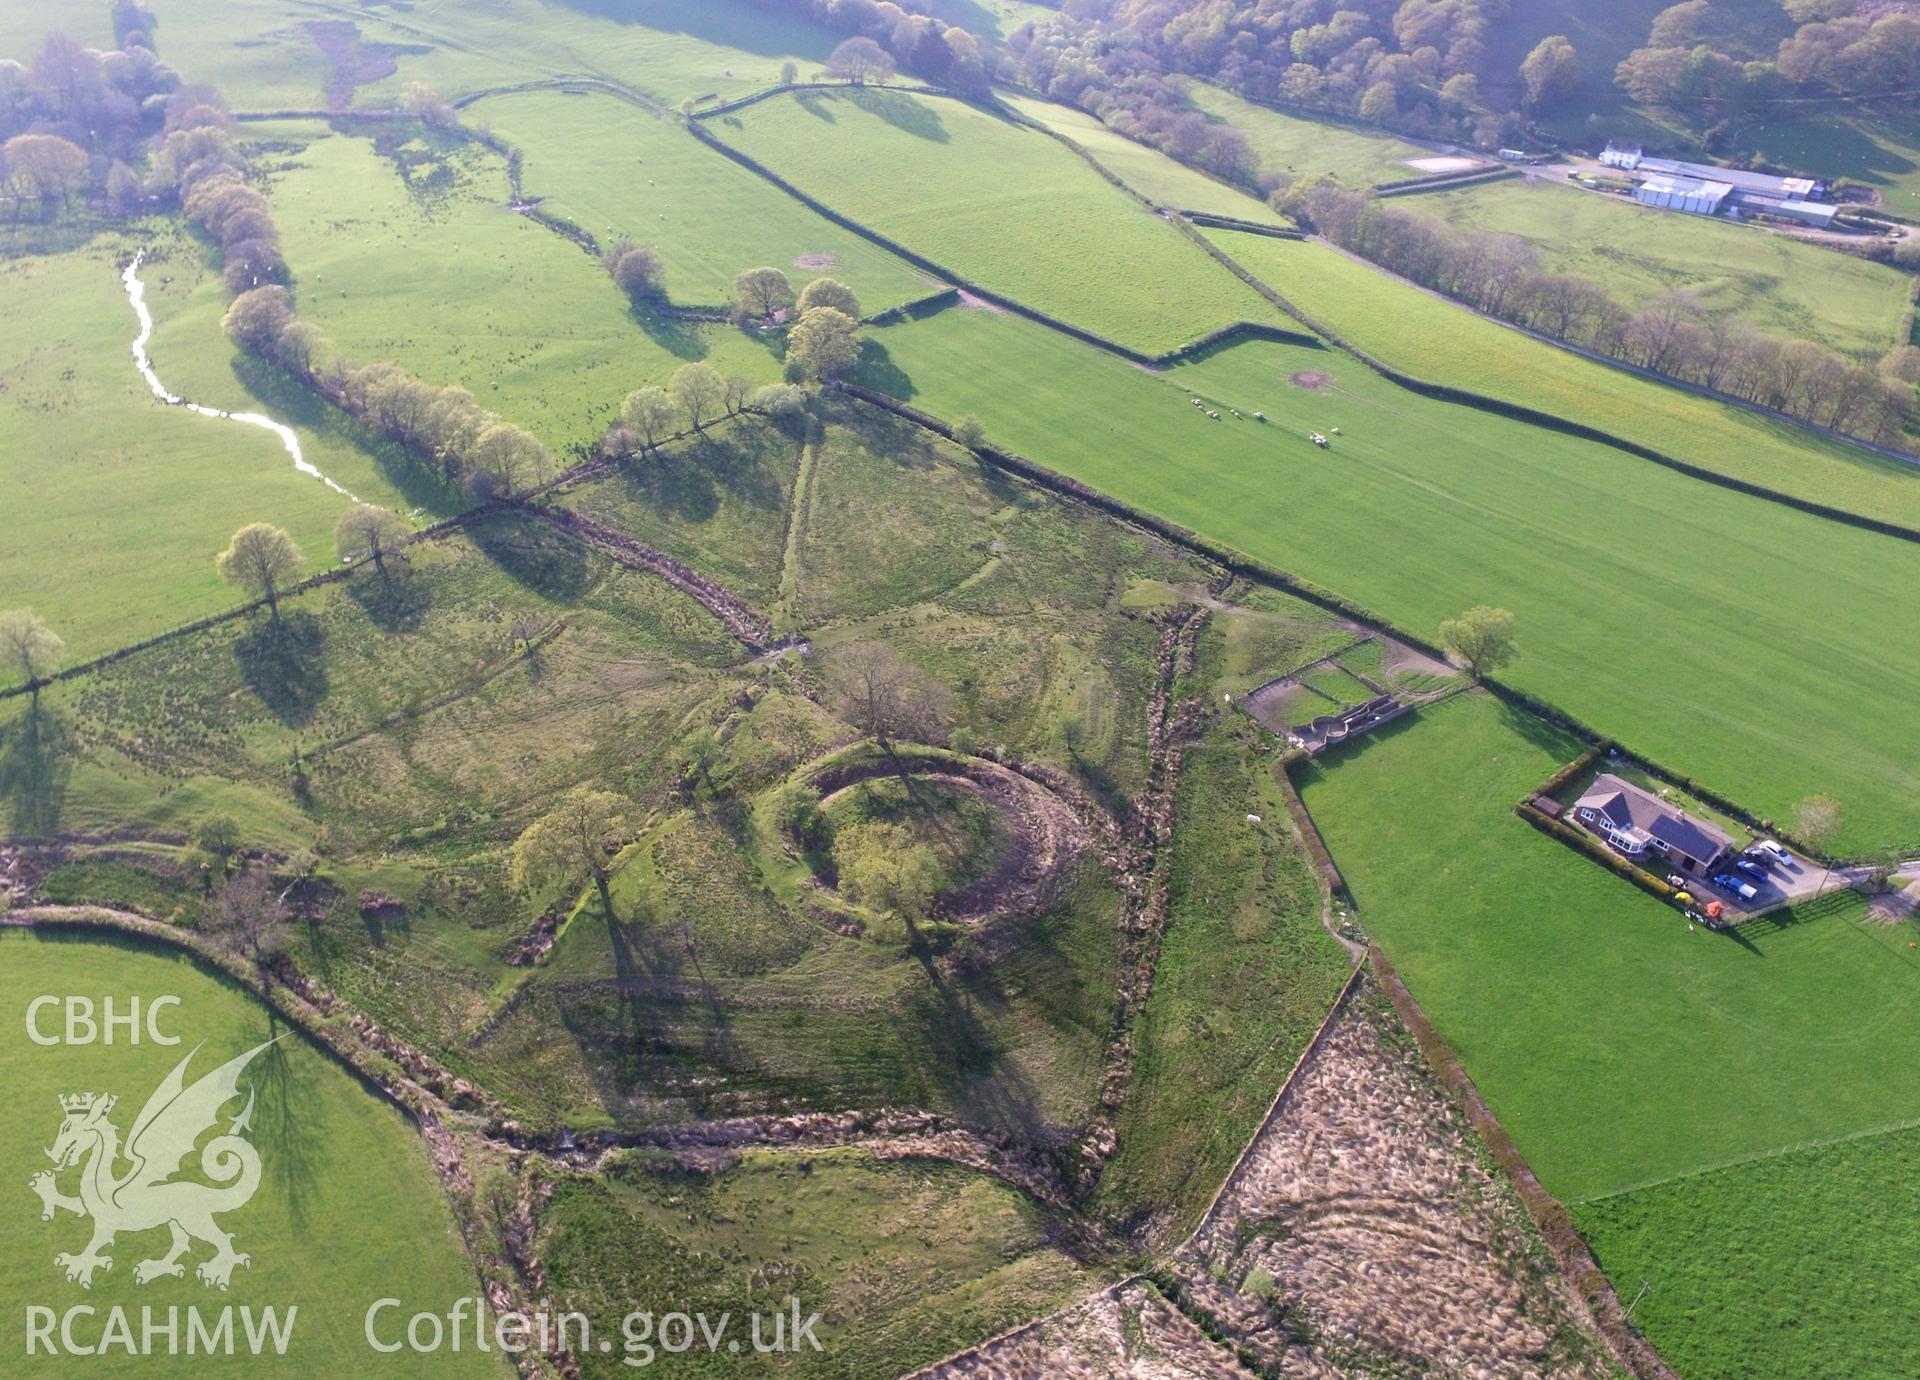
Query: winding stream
point(137, 296)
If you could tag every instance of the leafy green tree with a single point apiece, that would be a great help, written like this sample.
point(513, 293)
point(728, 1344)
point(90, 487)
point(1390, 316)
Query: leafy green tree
point(650, 415)
point(571, 842)
point(31, 649)
point(859, 61)
point(789, 72)
point(823, 345)
point(218, 834)
point(1551, 71)
point(1482, 637)
point(365, 532)
point(969, 431)
point(637, 268)
point(699, 390)
point(256, 319)
point(828, 292)
point(260, 558)
point(760, 292)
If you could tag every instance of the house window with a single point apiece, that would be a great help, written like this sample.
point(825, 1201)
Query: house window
point(1587, 815)
point(1661, 844)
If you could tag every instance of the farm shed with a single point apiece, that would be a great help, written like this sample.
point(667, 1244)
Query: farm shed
point(1763, 184)
point(1635, 821)
point(1683, 194)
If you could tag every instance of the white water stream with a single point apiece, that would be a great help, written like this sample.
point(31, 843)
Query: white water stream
point(137, 296)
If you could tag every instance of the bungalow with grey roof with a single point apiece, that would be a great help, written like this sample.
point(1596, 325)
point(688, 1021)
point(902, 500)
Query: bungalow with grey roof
point(1637, 823)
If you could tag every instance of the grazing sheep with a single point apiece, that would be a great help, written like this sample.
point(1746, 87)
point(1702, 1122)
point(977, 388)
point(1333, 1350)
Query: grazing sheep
point(1259, 416)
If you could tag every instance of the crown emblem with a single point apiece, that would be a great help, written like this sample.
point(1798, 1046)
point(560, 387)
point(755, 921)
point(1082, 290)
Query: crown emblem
point(76, 1102)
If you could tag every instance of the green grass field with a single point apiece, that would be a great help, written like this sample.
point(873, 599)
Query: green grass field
point(708, 217)
point(1786, 287)
point(1587, 545)
point(347, 1211)
point(1795, 1265)
point(131, 501)
point(1617, 1045)
point(1437, 340)
point(1155, 175)
point(442, 280)
point(996, 202)
point(1293, 146)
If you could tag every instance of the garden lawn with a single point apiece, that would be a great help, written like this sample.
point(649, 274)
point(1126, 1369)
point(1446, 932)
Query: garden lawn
point(615, 170)
point(1635, 588)
point(999, 203)
point(1618, 1045)
point(347, 1211)
point(446, 283)
point(121, 503)
point(1788, 288)
point(1156, 176)
point(1437, 340)
point(1296, 147)
point(1800, 1264)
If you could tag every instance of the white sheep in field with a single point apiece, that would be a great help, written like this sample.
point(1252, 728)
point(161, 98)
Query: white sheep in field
point(1234, 410)
point(1259, 416)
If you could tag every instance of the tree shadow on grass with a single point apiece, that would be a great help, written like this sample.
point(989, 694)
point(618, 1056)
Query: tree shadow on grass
point(287, 1090)
point(908, 114)
point(679, 338)
point(397, 605)
point(34, 768)
point(548, 562)
point(876, 370)
point(283, 661)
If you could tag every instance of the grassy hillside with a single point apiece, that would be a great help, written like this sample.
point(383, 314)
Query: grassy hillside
point(1786, 287)
point(708, 217)
point(1634, 586)
point(1151, 173)
point(1437, 340)
point(999, 203)
point(1293, 146)
point(327, 1236)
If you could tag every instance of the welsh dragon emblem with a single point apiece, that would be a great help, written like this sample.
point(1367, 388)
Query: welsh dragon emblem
point(143, 1197)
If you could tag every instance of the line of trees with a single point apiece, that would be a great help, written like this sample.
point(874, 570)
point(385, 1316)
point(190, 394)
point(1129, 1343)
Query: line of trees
point(1414, 65)
point(888, 35)
point(1672, 335)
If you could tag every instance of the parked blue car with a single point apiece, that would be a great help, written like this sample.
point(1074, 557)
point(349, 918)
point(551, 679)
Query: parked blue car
point(1752, 869)
point(1738, 886)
